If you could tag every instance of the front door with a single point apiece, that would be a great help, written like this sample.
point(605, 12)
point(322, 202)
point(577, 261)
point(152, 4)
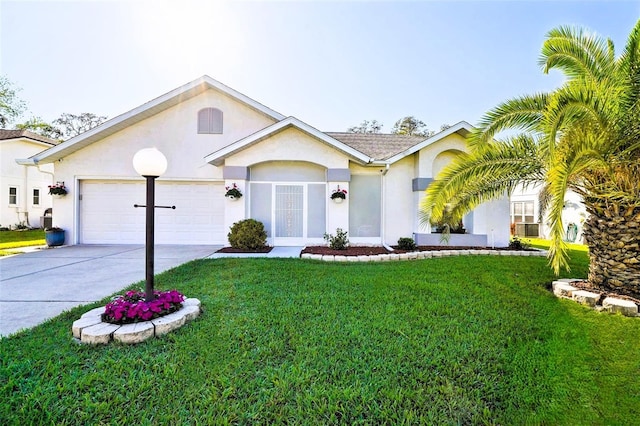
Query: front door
point(289, 218)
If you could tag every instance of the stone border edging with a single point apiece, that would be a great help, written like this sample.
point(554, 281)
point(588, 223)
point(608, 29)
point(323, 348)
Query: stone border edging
point(421, 255)
point(562, 288)
point(90, 329)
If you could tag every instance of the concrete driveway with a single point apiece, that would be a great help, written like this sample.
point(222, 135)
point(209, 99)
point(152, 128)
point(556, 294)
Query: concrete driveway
point(39, 285)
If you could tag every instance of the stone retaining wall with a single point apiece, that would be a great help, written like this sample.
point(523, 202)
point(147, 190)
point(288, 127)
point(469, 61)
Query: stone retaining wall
point(422, 255)
point(563, 288)
point(90, 328)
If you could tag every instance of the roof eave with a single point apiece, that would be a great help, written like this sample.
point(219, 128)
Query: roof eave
point(146, 110)
point(217, 158)
point(460, 127)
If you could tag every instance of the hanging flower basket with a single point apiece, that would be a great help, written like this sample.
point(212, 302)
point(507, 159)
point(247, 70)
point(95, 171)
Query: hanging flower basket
point(233, 192)
point(58, 189)
point(338, 195)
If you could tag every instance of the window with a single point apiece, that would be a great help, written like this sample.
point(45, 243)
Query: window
point(364, 206)
point(13, 195)
point(522, 212)
point(36, 197)
point(210, 121)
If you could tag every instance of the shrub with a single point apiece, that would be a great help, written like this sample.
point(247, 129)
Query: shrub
point(406, 244)
point(248, 234)
point(517, 244)
point(339, 242)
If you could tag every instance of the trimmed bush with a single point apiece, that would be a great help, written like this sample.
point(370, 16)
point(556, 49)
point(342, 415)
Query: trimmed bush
point(406, 244)
point(247, 234)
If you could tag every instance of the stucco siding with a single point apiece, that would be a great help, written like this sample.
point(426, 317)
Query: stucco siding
point(399, 208)
point(427, 156)
point(174, 132)
point(289, 145)
point(25, 179)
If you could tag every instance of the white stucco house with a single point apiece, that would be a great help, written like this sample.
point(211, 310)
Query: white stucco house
point(215, 137)
point(25, 190)
point(527, 220)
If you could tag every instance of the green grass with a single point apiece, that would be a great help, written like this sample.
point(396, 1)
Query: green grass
point(460, 340)
point(10, 240)
point(544, 244)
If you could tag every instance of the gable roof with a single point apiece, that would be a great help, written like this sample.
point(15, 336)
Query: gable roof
point(389, 148)
point(26, 134)
point(144, 111)
point(462, 128)
point(378, 146)
point(217, 158)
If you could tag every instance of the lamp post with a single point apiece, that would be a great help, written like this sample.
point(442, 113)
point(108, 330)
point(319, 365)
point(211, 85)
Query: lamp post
point(150, 164)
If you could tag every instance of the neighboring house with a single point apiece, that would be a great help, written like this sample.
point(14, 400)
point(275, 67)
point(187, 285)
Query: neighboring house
point(527, 220)
point(25, 190)
point(214, 137)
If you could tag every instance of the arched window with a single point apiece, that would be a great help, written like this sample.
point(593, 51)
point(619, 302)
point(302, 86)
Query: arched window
point(210, 121)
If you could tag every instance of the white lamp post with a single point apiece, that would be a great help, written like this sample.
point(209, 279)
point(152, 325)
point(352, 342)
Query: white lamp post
point(149, 163)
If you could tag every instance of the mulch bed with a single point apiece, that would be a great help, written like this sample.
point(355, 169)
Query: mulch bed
point(236, 250)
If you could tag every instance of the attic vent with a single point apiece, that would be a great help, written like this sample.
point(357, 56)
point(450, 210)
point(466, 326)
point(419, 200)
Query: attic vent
point(210, 121)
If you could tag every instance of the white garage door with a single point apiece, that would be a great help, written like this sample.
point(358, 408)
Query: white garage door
point(107, 215)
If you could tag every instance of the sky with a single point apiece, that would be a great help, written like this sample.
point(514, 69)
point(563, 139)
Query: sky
point(331, 64)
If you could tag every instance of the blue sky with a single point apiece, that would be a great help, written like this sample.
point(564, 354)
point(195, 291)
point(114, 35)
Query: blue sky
point(330, 64)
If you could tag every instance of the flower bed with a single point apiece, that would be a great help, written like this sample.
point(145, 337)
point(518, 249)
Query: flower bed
point(132, 307)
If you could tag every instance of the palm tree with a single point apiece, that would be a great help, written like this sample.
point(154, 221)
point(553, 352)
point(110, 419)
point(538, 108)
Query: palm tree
point(584, 136)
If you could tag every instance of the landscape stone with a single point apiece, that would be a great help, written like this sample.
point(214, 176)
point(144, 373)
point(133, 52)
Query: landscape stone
point(191, 301)
point(93, 312)
point(625, 307)
point(328, 258)
point(136, 332)
point(84, 322)
point(169, 323)
point(586, 297)
point(562, 289)
point(98, 334)
point(190, 312)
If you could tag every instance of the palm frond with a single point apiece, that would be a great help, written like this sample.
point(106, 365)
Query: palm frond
point(483, 175)
point(523, 113)
point(576, 52)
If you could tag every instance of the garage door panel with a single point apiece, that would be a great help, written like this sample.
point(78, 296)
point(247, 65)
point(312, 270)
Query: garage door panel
point(107, 214)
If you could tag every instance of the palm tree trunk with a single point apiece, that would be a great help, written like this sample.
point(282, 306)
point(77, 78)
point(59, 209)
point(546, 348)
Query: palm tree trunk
point(612, 233)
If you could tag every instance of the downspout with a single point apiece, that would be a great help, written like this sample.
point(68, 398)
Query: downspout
point(22, 208)
point(382, 207)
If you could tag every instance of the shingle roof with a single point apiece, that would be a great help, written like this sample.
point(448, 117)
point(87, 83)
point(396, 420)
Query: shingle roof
point(16, 134)
point(378, 146)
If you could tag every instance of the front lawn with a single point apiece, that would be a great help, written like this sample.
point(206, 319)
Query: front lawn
point(459, 340)
point(17, 239)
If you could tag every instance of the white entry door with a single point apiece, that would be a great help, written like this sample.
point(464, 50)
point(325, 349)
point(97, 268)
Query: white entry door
point(289, 215)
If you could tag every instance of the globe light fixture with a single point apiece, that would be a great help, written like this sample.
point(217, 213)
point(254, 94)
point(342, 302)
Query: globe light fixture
point(150, 164)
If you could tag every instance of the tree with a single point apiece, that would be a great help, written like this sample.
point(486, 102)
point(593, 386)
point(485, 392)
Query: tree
point(73, 125)
point(584, 136)
point(11, 107)
point(411, 126)
point(39, 126)
point(372, 126)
